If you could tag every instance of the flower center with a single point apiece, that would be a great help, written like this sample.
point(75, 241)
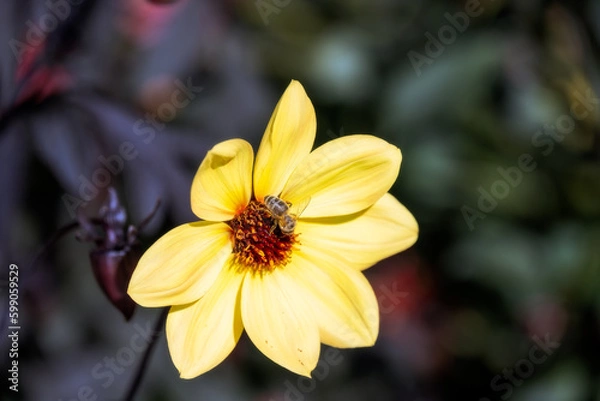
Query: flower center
point(258, 243)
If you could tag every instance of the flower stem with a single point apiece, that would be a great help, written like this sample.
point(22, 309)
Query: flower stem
point(137, 380)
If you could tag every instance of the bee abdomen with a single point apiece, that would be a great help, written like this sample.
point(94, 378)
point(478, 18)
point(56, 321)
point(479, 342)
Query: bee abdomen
point(287, 224)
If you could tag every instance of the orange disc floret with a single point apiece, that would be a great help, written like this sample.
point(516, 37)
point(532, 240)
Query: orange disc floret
point(258, 244)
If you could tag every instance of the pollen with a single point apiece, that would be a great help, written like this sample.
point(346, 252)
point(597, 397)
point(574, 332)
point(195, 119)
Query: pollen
point(258, 243)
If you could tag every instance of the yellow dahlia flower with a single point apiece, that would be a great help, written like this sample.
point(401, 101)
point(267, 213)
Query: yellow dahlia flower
point(236, 269)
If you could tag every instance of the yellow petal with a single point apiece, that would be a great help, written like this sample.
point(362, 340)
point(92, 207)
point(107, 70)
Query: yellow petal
point(360, 240)
point(344, 176)
point(343, 301)
point(279, 322)
point(201, 335)
point(182, 265)
point(223, 184)
point(288, 139)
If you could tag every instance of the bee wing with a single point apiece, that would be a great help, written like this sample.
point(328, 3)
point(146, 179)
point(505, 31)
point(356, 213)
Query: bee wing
point(299, 207)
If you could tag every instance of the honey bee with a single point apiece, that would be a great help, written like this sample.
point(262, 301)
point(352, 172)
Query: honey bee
point(281, 213)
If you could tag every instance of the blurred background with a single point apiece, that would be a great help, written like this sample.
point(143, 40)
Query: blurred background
point(494, 104)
